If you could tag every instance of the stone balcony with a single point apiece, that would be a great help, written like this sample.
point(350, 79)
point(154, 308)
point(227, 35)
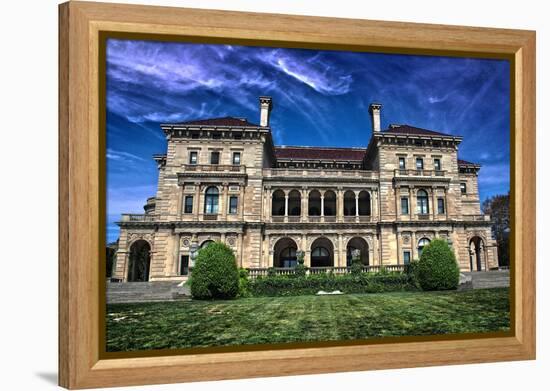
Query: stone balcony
point(319, 175)
point(476, 217)
point(215, 168)
point(322, 219)
point(138, 218)
point(419, 173)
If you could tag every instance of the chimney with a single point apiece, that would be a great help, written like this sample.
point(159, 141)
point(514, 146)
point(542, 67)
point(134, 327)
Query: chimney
point(265, 110)
point(374, 110)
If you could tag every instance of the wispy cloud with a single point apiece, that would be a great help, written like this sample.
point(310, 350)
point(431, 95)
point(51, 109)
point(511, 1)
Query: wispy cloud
point(319, 74)
point(122, 156)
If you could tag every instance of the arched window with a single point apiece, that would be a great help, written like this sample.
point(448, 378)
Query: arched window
point(421, 244)
point(288, 257)
point(349, 203)
point(320, 252)
point(364, 203)
point(294, 203)
point(314, 203)
point(422, 203)
point(211, 200)
point(330, 203)
point(278, 203)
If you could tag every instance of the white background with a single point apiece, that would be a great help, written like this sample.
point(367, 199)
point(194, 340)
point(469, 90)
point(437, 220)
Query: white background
point(28, 204)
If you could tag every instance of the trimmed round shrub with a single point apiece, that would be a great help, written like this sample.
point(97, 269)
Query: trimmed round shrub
point(215, 275)
point(437, 268)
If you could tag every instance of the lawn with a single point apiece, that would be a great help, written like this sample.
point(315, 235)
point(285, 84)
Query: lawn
point(264, 320)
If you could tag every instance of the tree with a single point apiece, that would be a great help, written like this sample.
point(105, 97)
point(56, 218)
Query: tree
point(110, 258)
point(498, 207)
point(215, 275)
point(437, 268)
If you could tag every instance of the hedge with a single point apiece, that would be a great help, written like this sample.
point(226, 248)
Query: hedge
point(215, 275)
point(282, 285)
point(437, 268)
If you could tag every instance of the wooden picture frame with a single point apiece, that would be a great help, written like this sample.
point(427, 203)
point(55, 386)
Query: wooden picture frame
point(81, 364)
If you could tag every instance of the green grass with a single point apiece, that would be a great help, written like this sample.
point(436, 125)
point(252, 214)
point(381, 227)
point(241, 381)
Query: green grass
point(304, 318)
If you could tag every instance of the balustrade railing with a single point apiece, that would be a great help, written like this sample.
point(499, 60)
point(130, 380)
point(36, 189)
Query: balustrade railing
point(263, 272)
point(328, 173)
point(214, 168)
point(138, 217)
point(427, 173)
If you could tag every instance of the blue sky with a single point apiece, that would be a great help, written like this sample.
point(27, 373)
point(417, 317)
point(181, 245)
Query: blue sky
point(320, 98)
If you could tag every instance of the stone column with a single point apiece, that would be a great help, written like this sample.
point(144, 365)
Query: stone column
point(356, 204)
point(180, 201)
point(397, 202)
point(322, 205)
point(411, 203)
point(197, 201)
point(340, 205)
point(270, 203)
point(434, 203)
point(225, 201)
point(240, 202)
point(341, 251)
point(286, 204)
point(413, 246)
point(240, 249)
point(304, 201)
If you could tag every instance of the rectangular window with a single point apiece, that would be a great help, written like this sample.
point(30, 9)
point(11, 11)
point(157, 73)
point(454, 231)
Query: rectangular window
point(402, 164)
point(216, 135)
point(233, 204)
point(440, 206)
point(193, 157)
point(463, 188)
point(406, 257)
point(404, 206)
point(236, 158)
point(184, 265)
point(419, 163)
point(437, 164)
point(188, 208)
point(215, 158)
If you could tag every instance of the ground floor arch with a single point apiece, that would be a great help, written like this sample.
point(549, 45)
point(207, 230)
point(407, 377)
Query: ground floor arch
point(357, 243)
point(139, 261)
point(322, 253)
point(284, 253)
point(476, 252)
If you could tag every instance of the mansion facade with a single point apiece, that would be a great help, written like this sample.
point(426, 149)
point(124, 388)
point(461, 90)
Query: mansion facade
point(223, 179)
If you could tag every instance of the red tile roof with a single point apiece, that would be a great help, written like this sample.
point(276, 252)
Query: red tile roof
point(408, 129)
point(466, 163)
point(319, 153)
point(222, 121)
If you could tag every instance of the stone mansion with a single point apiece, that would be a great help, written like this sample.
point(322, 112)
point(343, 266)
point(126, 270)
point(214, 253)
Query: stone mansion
point(223, 179)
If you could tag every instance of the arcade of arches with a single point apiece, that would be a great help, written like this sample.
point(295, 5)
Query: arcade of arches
point(320, 203)
point(321, 252)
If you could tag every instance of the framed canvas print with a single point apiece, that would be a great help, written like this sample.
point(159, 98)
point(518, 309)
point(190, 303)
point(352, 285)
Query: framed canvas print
point(247, 195)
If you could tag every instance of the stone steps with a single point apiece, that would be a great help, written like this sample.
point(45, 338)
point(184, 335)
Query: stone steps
point(136, 292)
point(490, 279)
